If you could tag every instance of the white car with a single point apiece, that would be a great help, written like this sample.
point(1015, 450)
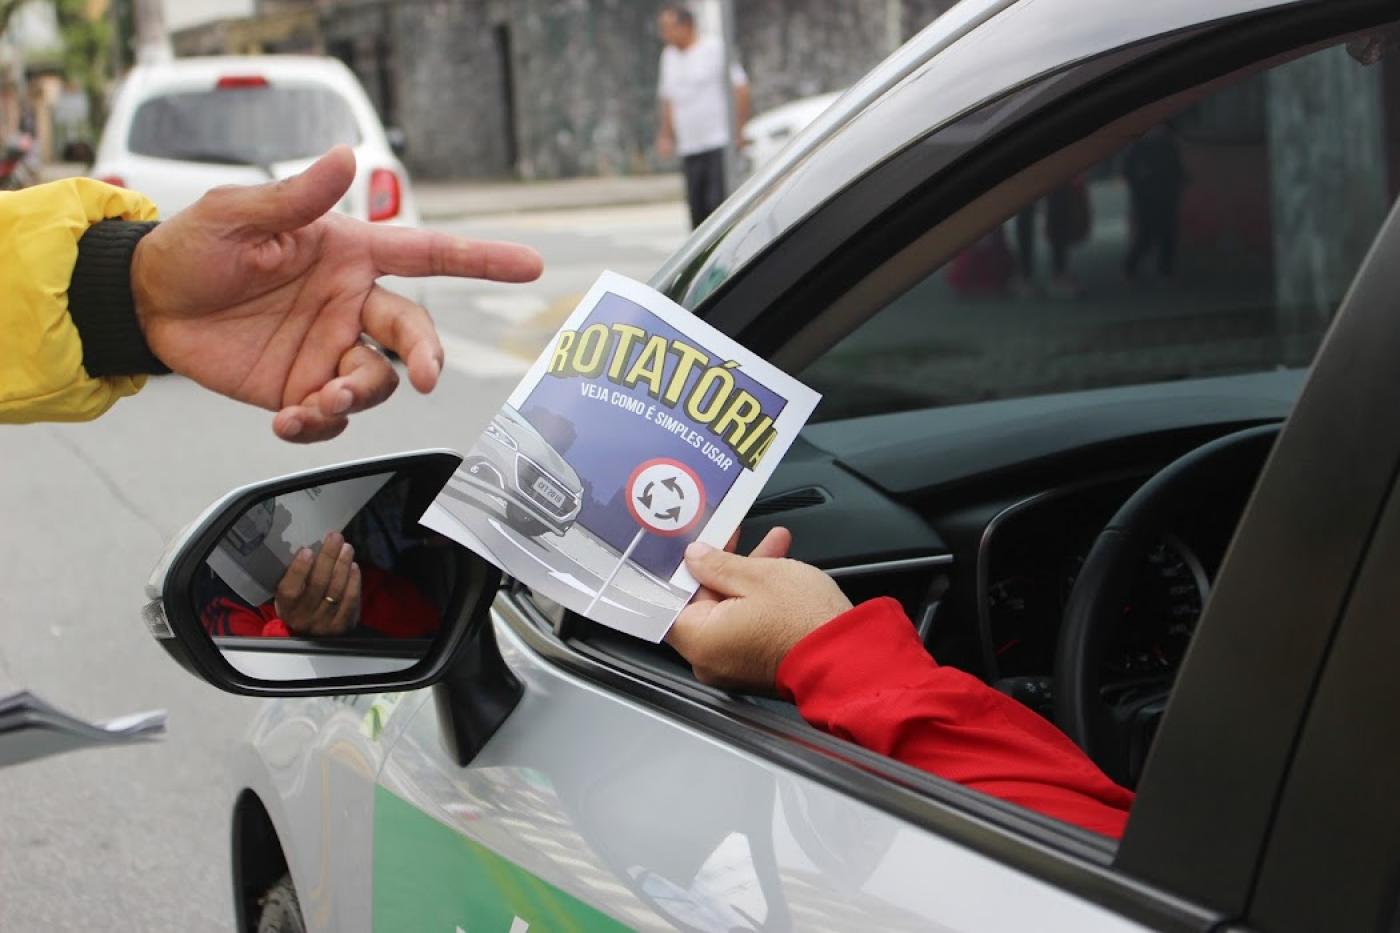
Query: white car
point(766, 134)
point(179, 128)
point(1162, 512)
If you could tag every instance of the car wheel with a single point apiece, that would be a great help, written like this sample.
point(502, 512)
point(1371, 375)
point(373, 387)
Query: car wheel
point(279, 911)
point(525, 524)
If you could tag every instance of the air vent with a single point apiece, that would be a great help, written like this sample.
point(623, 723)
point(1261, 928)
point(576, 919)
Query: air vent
point(788, 501)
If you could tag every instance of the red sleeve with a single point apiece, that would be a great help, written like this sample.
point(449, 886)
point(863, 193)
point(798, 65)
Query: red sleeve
point(865, 676)
point(393, 606)
point(230, 617)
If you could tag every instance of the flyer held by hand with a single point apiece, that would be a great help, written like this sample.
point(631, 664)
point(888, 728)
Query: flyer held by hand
point(638, 430)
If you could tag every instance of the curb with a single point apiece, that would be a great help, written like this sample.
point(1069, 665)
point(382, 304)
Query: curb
point(439, 201)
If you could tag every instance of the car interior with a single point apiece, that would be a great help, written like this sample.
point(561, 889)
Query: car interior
point(998, 390)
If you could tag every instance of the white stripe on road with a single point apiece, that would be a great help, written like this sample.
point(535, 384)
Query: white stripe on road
point(478, 359)
point(570, 580)
point(567, 579)
point(510, 306)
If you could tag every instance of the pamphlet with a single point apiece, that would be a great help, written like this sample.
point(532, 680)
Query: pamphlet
point(638, 430)
point(31, 728)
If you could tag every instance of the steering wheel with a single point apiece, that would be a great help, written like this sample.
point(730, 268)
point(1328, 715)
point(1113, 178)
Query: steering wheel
point(1116, 732)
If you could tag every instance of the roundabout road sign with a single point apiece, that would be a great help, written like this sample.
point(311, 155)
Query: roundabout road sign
point(665, 497)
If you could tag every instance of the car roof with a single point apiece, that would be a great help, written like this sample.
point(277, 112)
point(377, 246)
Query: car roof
point(206, 70)
point(972, 54)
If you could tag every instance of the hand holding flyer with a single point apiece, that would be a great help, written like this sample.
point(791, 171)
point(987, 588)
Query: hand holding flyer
point(638, 430)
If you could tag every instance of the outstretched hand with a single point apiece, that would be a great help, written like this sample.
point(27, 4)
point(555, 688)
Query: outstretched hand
point(261, 294)
point(750, 611)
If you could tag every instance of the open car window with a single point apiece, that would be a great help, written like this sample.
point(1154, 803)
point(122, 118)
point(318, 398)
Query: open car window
point(1217, 240)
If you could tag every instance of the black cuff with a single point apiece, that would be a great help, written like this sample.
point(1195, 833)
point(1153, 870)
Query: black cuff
point(100, 302)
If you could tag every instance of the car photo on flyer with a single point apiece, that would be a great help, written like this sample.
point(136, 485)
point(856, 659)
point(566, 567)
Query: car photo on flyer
point(638, 430)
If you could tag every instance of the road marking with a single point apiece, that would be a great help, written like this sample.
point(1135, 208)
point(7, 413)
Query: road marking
point(567, 579)
point(510, 306)
point(477, 359)
point(571, 580)
point(510, 536)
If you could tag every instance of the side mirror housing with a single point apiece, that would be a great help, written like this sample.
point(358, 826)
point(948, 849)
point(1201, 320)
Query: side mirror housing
point(323, 583)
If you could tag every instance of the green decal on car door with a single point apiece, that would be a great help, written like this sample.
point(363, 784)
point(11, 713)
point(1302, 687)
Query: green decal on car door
point(431, 878)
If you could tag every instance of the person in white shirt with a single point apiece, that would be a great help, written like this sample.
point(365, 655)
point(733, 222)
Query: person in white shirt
point(694, 116)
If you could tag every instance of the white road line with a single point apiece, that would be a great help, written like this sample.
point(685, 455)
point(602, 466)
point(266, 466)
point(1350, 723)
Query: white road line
point(478, 359)
point(510, 306)
point(567, 579)
point(510, 536)
point(570, 580)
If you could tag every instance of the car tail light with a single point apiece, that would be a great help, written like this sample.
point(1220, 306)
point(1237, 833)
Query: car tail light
point(385, 196)
point(113, 180)
point(240, 82)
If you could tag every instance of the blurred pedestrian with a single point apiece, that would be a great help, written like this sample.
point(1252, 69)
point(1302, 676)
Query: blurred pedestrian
point(259, 293)
point(1156, 176)
point(1067, 222)
point(694, 119)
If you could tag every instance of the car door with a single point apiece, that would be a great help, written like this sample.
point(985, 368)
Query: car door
point(1331, 858)
point(618, 793)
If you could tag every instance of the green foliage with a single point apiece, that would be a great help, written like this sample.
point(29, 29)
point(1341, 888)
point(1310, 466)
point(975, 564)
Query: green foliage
point(86, 43)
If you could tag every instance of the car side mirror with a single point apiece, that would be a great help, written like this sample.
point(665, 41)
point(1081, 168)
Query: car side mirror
point(262, 596)
point(398, 141)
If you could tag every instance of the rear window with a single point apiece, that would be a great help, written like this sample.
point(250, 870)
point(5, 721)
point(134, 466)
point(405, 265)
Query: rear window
point(253, 125)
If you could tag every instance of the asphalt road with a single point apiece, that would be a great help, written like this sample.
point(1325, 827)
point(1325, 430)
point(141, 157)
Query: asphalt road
point(137, 838)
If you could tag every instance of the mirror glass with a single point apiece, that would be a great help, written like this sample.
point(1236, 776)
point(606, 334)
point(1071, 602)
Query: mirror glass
point(330, 581)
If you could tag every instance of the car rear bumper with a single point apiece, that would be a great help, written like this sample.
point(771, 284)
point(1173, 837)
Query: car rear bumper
point(494, 486)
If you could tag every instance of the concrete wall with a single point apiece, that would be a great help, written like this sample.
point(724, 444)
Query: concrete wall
point(585, 73)
point(798, 48)
point(582, 73)
point(449, 89)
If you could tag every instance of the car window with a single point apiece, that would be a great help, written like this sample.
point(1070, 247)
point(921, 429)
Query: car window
point(1220, 241)
point(245, 125)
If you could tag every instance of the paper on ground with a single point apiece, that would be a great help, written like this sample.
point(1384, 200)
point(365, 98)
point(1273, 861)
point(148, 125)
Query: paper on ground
point(639, 429)
point(31, 728)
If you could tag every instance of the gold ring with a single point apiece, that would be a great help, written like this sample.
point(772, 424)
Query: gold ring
point(330, 599)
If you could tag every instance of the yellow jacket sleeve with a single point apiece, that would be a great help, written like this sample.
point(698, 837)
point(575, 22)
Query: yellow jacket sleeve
point(42, 377)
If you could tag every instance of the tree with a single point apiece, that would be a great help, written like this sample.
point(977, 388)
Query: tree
point(87, 42)
point(86, 39)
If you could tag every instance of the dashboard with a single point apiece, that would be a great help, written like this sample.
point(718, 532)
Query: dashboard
point(978, 518)
point(1030, 556)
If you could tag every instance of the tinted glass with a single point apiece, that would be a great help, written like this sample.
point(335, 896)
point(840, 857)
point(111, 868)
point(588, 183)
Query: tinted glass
point(257, 125)
point(1220, 241)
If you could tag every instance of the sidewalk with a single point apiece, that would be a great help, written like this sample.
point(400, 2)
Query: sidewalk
point(54, 171)
point(453, 200)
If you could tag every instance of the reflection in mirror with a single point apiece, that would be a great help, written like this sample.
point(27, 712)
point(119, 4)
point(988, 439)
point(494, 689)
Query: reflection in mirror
point(329, 581)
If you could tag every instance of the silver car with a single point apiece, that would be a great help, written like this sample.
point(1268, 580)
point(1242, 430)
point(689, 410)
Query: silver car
point(516, 475)
point(1063, 270)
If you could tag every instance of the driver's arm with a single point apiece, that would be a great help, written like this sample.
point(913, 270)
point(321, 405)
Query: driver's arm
point(766, 623)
